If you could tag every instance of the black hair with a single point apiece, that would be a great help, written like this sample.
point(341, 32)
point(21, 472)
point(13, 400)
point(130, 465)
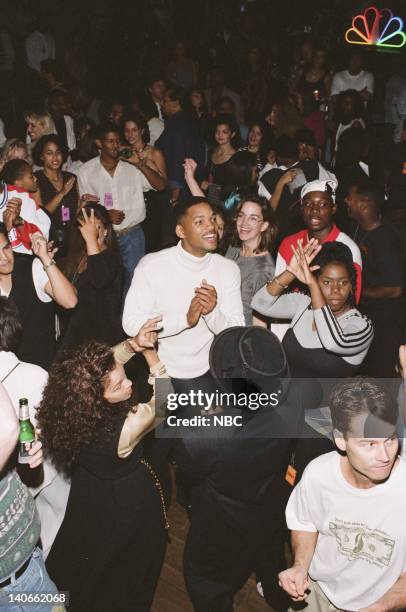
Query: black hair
point(267, 139)
point(337, 252)
point(358, 108)
point(182, 207)
point(237, 173)
point(140, 122)
point(153, 78)
point(357, 396)
point(82, 122)
point(106, 128)
point(306, 135)
point(41, 144)
point(367, 190)
point(176, 94)
point(231, 123)
point(57, 93)
point(351, 147)
point(14, 170)
point(286, 147)
point(229, 101)
point(10, 325)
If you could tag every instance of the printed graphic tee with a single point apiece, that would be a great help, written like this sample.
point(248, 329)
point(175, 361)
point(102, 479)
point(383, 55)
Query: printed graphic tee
point(361, 547)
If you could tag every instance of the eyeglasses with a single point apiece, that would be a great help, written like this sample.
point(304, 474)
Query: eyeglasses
point(250, 219)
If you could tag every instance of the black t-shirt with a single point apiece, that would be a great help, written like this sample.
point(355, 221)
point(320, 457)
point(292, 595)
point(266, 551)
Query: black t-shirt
point(382, 261)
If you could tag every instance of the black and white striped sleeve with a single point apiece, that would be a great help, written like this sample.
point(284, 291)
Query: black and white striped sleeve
point(350, 335)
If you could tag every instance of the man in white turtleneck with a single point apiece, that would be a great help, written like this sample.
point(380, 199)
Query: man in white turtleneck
point(195, 290)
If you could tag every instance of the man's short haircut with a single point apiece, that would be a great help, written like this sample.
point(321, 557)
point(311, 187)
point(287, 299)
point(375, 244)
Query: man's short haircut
point(175, 94)
point(154, 78)
point(105, 128)
point(182, 207)
point(10, 325)
point(57, 93)
point(360, 396)
point(367, 190)
point(306, 136)
point(14, 170)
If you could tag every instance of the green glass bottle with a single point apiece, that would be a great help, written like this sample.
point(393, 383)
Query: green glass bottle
point(27, 432)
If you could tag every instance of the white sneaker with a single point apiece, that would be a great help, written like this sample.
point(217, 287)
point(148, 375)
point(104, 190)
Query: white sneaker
point(260, 589)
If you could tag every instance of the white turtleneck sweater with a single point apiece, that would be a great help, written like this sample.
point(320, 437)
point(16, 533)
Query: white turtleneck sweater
point(164, 284)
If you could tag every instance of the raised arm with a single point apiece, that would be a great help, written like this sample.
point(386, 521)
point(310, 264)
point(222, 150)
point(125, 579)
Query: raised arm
point(143, 417)
point(190, 166)
point(58, 287)
point(154, 177)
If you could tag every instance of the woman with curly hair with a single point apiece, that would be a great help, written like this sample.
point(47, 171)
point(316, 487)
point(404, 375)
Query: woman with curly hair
point(110, 548)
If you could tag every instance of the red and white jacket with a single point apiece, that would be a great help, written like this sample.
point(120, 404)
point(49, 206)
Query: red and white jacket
point(335, 235)
point(35, 219)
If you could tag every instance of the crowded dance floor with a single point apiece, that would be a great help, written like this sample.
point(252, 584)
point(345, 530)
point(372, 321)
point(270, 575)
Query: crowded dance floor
point(202, 308)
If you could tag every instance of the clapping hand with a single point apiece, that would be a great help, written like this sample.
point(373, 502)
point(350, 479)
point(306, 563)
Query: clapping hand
point(147, 335)
point(207, 297)
point(302, 257)
point(68, 185)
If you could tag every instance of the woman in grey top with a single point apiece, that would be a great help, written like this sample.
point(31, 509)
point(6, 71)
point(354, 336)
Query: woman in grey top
point(254, 233)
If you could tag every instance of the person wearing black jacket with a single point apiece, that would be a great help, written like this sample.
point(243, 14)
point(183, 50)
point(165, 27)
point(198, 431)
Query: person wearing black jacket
point(237, 474)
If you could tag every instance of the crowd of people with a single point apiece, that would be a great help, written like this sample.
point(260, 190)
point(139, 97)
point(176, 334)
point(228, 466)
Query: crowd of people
point(207, 229)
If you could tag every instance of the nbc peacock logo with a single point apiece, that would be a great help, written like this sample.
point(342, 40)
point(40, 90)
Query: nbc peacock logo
point(376, 27)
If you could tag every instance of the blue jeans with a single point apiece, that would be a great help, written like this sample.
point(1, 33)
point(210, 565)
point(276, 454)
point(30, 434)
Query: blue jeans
point(132, 248)
point(34, 580)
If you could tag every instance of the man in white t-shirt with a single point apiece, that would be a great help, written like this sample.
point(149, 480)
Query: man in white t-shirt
point(347, 513)
point(353, 78)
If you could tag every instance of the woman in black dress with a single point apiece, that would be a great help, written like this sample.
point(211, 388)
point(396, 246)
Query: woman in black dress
point(110, 547)
point(58, 189)
point(94, 267)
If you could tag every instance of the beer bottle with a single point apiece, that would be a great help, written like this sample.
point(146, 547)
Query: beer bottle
point(32, 477)
point(27, 432)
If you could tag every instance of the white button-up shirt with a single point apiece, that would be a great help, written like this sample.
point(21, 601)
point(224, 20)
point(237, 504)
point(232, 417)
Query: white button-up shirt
point(122, 191)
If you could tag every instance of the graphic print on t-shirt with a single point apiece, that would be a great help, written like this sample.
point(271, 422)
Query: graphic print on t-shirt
point(357, 541)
